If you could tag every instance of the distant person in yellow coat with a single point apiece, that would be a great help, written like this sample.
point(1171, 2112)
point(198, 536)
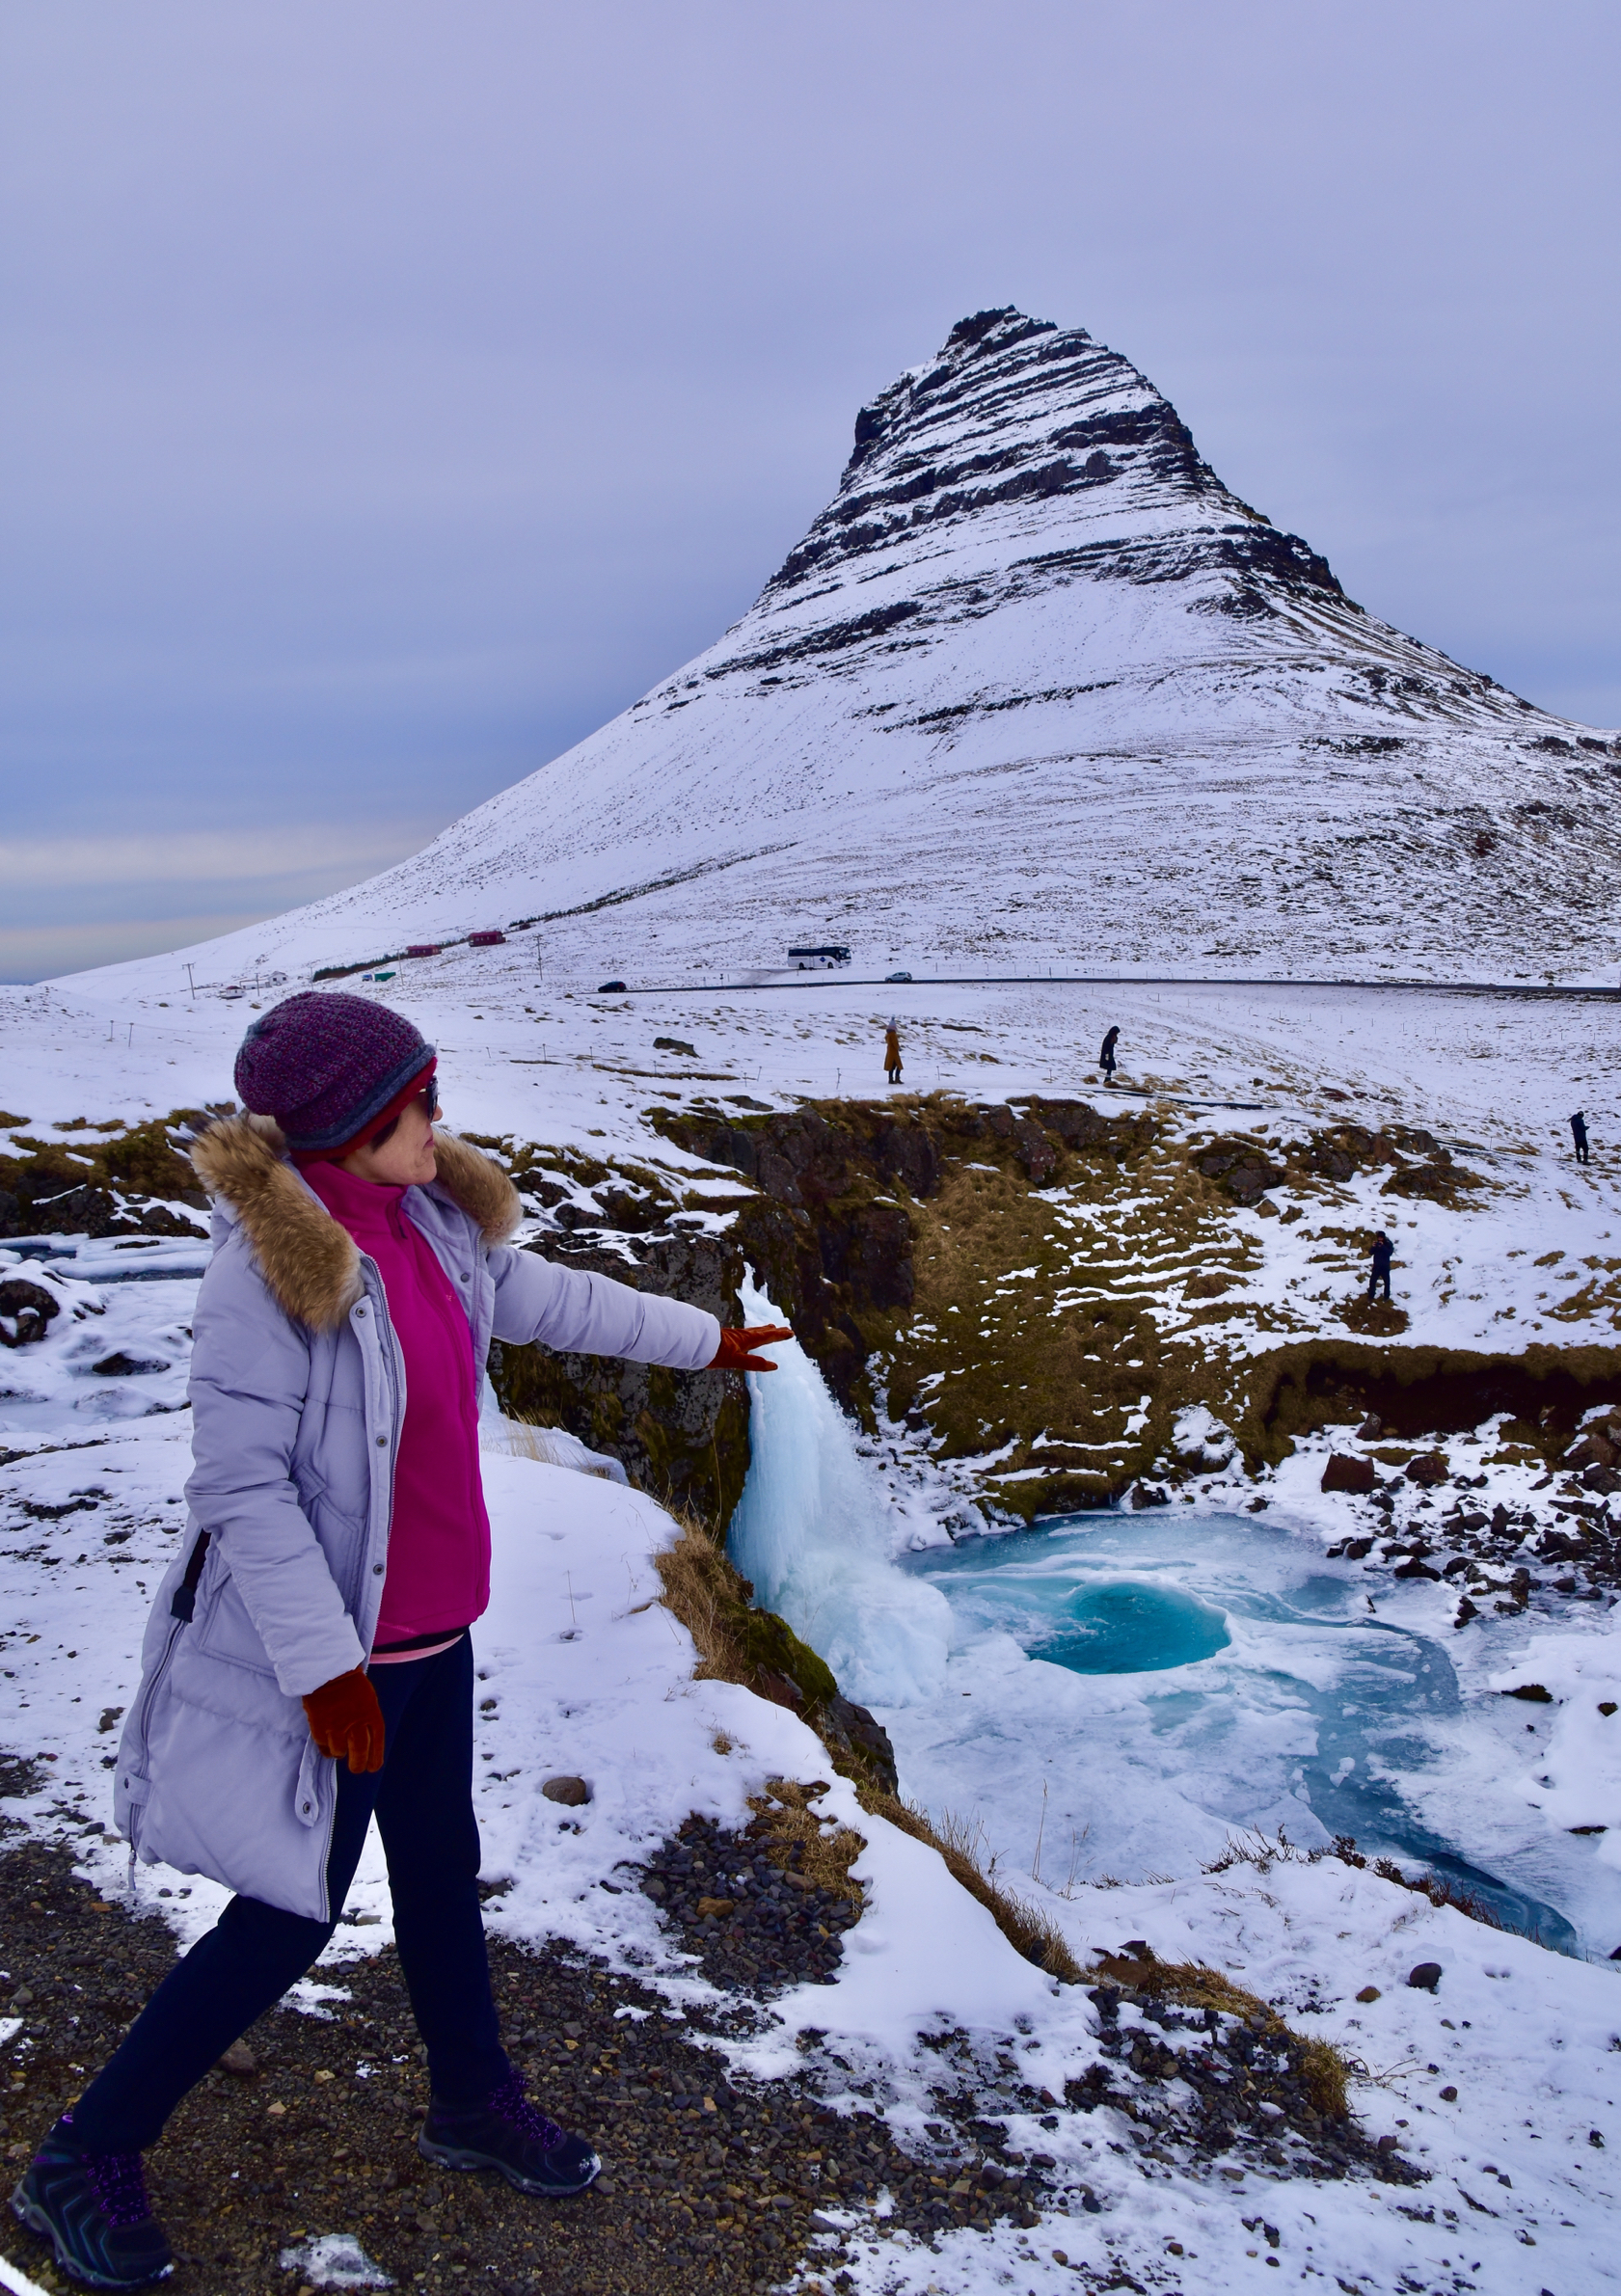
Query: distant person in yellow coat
point(892, 1052)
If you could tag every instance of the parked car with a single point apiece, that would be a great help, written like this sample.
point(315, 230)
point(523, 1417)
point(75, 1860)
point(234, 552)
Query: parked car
point(897, 976)
point(611, 988)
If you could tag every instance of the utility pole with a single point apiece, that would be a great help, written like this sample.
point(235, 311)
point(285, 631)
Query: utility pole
point(192, 983)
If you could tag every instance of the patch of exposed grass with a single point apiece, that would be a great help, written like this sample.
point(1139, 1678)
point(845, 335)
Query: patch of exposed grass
point(825, 1851)
point(736, 1642)
point(1036, 1329)
point(1195, 1985)
point(139, 1159)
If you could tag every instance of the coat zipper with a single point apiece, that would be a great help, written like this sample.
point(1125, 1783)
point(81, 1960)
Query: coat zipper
point(139, 1731)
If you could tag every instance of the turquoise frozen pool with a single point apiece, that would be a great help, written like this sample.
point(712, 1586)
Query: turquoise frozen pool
point(1230, 1678)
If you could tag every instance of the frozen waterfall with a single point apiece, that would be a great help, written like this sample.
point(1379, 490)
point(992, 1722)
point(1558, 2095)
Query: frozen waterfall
point(813, 1529)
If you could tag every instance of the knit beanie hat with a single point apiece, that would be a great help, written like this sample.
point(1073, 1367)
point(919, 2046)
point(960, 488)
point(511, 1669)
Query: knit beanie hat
point(331, 1069)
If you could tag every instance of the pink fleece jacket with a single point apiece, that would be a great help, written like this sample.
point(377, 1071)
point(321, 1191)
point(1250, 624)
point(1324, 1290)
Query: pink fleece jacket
point(438, 1545)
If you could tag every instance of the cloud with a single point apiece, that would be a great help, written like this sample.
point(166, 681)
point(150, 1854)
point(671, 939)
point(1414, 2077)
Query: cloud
point(73, 902)
point(393, 393)
point(187, 855)
point(43, 952)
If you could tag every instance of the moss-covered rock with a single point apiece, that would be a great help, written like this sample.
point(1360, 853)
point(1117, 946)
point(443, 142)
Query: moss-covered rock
point(99, 1182)
point(681, 1434)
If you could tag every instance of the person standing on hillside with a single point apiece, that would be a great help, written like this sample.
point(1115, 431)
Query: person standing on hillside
point(1106, 1058)
point(892, 1052)
point(1578, 1134)
point(1384, 1251)
point(308, 1663)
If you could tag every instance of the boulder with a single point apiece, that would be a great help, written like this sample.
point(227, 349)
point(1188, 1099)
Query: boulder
point(1242, 1167)
point(1426, 1977)
point(1429, 1469)
point(73, 1212)
point(1076, 1124)
point(573, 1793)
point(1341, 1473)
point(849, 1728)
point(25, 1309)
point(156, 1219)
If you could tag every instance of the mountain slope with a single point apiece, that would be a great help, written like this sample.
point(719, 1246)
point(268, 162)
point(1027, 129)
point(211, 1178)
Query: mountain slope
point(1038, 690)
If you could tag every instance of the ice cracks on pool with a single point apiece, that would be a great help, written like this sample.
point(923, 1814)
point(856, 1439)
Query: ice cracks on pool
point(1251, 1679)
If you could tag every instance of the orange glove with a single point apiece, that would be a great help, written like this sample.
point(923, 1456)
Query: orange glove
point(345, 1718)
point(733, 1353)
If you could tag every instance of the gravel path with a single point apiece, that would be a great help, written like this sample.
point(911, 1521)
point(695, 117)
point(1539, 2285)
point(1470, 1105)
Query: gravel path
point(707, 2185)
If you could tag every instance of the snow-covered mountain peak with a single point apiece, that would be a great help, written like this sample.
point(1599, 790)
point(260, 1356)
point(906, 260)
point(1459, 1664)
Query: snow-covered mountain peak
point(1037, 689)
point(1019, 416)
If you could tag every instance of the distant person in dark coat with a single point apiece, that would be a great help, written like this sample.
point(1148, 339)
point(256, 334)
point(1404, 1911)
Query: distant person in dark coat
point(1578, 1133)
point(1380, 1273)
point(1106, 1058)
point(892, 1053)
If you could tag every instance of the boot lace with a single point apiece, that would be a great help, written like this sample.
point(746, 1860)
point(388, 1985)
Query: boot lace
point(509, 2103)
point(117, 2181)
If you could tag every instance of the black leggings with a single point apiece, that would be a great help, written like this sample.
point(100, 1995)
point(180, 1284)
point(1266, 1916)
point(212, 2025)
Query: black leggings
point(422, 1801)
point(1378, 1277)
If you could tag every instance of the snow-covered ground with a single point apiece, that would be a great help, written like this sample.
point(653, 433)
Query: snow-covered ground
point(583, 1673)
point(586, 1678)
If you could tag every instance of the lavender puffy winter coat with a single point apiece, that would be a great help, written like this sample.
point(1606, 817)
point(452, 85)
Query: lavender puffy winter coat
point(298, 1397)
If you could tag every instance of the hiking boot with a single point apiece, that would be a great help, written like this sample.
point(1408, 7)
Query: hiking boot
point(509, 2134)
point(92, 2207)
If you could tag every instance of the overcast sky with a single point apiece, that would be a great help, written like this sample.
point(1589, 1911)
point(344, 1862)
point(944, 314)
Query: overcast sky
point(392, 391)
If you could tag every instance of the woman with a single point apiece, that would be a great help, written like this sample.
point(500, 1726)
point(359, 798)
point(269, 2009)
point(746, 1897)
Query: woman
point(892, 1052)
point(308, 1665)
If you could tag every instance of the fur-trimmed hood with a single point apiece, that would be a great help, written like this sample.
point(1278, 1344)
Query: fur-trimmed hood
point(308, 1261)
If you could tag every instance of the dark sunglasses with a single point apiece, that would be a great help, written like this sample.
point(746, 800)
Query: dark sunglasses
point(429, 1097)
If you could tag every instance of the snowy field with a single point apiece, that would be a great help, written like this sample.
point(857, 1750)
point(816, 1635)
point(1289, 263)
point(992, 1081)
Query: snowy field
point(587, 1678)
point(586, 1675)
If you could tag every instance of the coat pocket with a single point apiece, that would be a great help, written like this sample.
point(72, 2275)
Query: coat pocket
point(225, 1631)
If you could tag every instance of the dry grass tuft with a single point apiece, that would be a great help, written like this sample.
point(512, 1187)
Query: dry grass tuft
point(1195, 1985)
point(1263, 1850)
point(1027, 1929)
point(1327, 2075)
point(526, 1438)
point(825, 1850)
point(704, 1592)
